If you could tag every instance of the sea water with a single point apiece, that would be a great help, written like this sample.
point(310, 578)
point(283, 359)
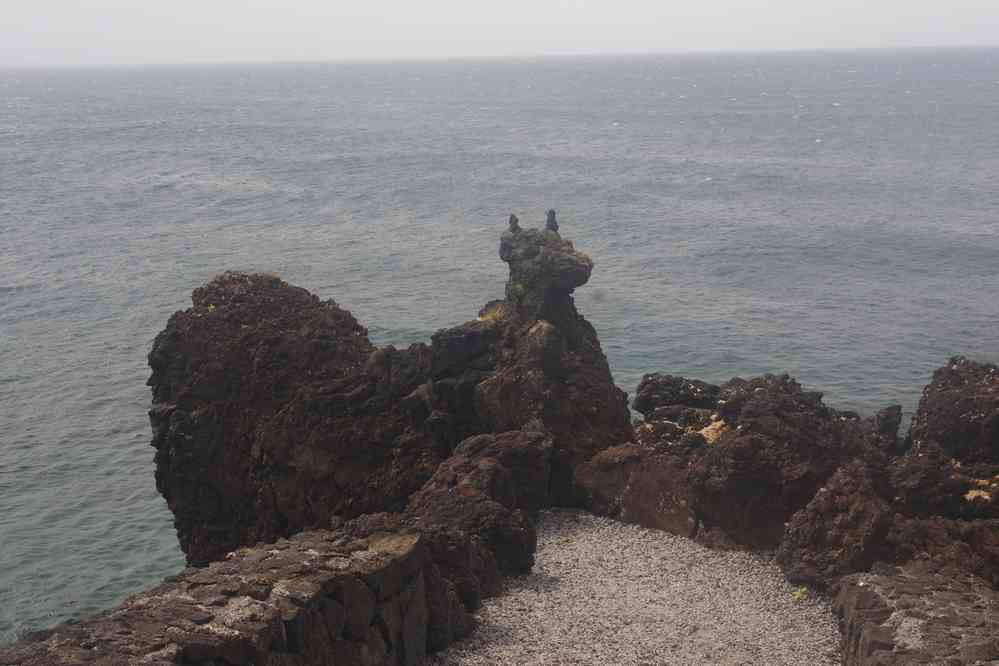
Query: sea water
point(831, 215)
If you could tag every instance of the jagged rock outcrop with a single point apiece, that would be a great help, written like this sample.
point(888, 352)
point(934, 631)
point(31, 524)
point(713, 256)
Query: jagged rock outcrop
point(394, 488)
point(549, 363)
point(843, 529)
point(739, 458)
point(766, 464)
point(959, 412)
point(762, 463)
point(933, 503)
point(273, 413)
point(952, 467)
point(657, 390)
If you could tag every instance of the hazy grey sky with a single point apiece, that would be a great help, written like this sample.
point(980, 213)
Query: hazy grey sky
point(67, 32)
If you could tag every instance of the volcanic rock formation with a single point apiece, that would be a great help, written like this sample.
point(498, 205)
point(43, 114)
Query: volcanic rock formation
point(273, 413)
point(738, 459)
point(763, 464)
point(397, 487)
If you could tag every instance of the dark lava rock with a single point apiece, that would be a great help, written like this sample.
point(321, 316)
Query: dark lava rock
point(659, 390)
point(947, 545)
point(637, 484)
point(952, 469)
point(544, 270)
point(913, 615)
point(602, 479)
point(269, 416)
point(928, 505)
point(778, 444)
point(658, 496)
point(474, 513)
point(549, 364)
point(735, 461)
point(843, 529)
point(959, 412)
point(489, 488)
point(273, 413)
point(928, 482)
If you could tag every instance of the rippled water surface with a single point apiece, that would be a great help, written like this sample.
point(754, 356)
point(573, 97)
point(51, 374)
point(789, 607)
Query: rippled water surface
point(835, 216)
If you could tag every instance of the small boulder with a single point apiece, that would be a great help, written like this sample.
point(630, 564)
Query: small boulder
point(842, 530)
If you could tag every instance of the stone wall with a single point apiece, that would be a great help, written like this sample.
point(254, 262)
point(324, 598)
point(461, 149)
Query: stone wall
point(320, 597)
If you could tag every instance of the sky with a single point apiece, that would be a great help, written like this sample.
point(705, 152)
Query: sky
point(93, 32)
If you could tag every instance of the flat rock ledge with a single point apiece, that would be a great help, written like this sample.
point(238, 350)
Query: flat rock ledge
point(895, 616)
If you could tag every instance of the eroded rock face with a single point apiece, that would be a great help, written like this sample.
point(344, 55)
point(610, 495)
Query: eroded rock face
point(939, 493)
point(947, 545)
point(739, 458)
point(490, 488)
point(952, 468)
point(273, 413)
point(959, 412)
point(782, 444)
point(843, 529)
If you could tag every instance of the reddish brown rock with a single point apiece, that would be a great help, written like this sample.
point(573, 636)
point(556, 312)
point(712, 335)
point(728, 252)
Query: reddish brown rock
point(928, 505)
point(952, 468)
point(843, 529)
point(273, 413)
point(928, 482)
point(658, 496)
point(947, 545)
point(959, 412)
point(489, 489)
point(601, 480)
point(639, 485)
point(781, 444)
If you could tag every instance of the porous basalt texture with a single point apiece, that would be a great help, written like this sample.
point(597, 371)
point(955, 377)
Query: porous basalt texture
point(913, 615)
point(738, 459)
point(950, 545)
point(959, 412)
point(939, 494)
point(273, 413)
point(550, 366)
point(489, 488)
point(843, 529)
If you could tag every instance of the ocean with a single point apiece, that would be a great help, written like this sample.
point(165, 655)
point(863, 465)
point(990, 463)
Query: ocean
point(833, 215)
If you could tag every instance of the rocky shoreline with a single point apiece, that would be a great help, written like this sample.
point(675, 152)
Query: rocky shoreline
point(348, 504)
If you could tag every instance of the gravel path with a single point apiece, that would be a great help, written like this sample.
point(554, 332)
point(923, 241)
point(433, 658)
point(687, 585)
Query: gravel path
point(603, 592)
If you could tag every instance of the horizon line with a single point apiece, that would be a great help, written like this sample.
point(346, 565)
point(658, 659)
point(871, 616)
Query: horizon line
point(405, 59)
